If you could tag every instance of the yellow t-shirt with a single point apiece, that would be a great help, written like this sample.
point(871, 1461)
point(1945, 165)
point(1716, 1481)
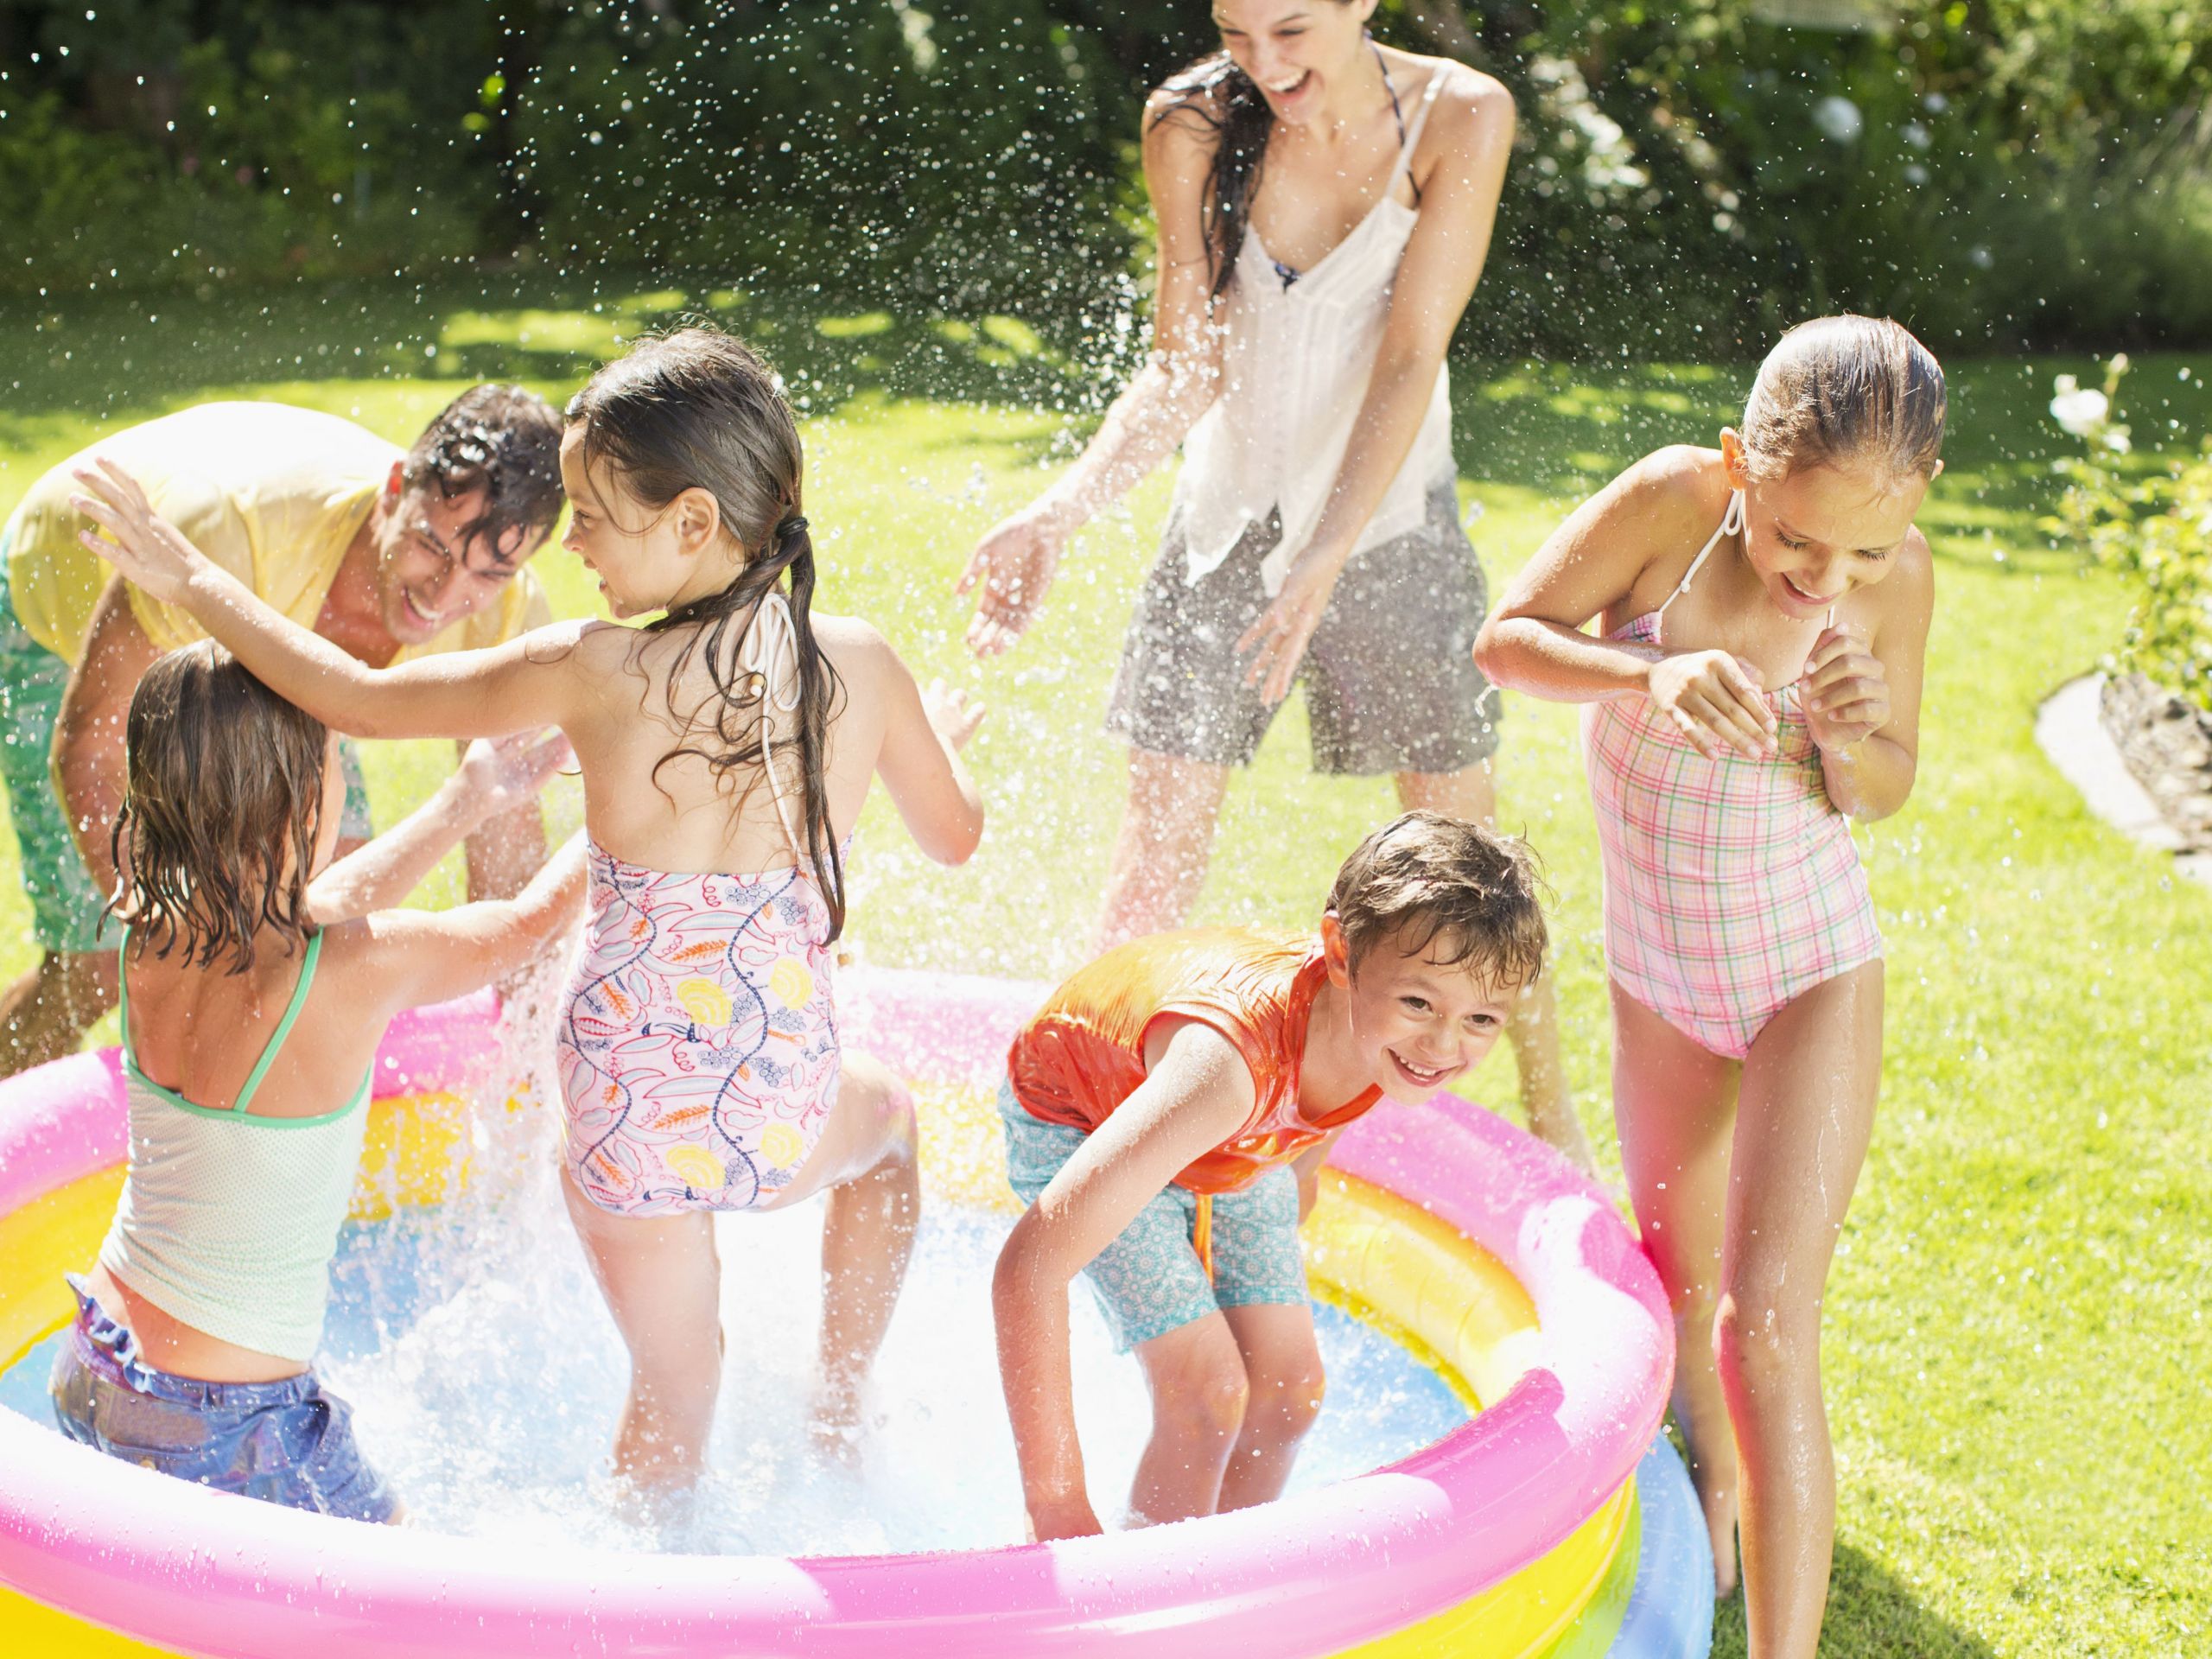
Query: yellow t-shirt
point(272, 494)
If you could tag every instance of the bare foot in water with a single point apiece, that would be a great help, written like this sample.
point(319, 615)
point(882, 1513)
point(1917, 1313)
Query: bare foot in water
point(834, 1424)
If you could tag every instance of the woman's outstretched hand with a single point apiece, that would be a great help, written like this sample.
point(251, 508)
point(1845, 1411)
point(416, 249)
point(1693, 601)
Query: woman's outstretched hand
point(1276, 643)
point(145, 547)
point(1011, 571)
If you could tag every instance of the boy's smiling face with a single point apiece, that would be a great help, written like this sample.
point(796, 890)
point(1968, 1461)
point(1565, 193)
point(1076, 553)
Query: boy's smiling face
point(1417, 1020)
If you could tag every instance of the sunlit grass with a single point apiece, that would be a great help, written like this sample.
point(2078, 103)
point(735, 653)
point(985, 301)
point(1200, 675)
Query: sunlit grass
point(2016, 1338)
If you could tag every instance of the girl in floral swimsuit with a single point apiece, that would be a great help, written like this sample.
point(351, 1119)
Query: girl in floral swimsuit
point(1753, 687)
point(726, 751)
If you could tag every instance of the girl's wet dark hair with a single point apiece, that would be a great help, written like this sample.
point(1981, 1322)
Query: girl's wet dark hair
point(221, 811)
point(1219, 95)
point(698, 409)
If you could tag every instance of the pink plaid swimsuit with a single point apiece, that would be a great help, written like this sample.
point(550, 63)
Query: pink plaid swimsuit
point(1732, 886)
point(698, 1039)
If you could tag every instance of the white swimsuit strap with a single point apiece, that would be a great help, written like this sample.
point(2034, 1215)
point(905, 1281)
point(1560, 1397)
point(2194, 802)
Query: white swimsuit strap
point(770, 649)
point(1406, 145)
point(1731, 524)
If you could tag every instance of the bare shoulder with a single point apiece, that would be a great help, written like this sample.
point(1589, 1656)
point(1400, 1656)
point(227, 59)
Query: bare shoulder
point(856, 649)
point(1474, 112)
point(1906, 599)
point(1682, 487)
point(1182, 130)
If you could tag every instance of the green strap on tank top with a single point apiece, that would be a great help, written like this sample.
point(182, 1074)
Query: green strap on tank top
point(268, 1052)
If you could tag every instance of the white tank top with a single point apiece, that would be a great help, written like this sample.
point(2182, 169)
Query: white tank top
point(1297, 355)
point(228, 1221)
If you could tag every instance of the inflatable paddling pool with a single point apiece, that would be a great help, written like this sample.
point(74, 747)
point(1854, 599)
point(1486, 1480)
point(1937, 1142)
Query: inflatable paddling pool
point(1550, 1523)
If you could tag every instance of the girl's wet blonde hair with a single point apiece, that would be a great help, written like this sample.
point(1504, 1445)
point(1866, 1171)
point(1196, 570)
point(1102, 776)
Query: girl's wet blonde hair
point(1847, 391)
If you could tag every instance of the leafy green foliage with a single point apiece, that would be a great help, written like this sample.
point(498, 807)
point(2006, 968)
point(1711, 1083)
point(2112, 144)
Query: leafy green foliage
point(1688, 178)
point(2153, 529)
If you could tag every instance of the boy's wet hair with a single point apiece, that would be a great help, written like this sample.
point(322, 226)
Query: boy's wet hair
point(1846, 391)
point(221, 811)
point(504, 442)
point(1427, 882)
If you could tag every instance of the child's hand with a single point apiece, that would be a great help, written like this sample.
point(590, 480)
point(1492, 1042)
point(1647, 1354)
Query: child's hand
point(145, 547)
point(1713, 699)
point(1846, 690)
point(1069, 1518)
point(497, 774)
point(950, 715)
point(1011, 571)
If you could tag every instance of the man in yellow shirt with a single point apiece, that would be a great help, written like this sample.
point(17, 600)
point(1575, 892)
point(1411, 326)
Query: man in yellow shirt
point(386, 553)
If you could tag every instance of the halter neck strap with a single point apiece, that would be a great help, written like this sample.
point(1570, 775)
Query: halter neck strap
point(770, 649)
point(1731, 524)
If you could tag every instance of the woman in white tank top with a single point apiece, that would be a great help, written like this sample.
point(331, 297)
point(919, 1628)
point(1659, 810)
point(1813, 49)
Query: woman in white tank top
point(1324, 205)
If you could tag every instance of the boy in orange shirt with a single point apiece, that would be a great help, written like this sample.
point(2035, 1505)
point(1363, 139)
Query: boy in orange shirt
point(1166, 1114)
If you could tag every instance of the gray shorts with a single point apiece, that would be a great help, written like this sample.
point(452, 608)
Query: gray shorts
point(1390, 679)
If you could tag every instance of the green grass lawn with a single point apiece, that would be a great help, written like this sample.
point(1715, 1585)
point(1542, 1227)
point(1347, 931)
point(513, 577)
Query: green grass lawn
point(2016, 1343)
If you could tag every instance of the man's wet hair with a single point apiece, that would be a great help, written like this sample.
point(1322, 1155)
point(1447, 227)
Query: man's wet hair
point(504, 442)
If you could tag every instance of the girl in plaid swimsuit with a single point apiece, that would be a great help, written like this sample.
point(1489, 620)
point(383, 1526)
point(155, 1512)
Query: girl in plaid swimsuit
point(1752, 689)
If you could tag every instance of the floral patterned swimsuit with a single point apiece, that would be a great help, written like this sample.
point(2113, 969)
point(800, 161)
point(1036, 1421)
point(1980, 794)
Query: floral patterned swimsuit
point(698, 1040)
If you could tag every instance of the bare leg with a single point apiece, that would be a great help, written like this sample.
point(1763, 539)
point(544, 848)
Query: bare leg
point(1160, 855)
point(1675, 1105)
point(1285, 1382)
point(1532, 1027)
point(44, 1015)
point(663, 1283)
point(866, 1158)
point(1809, 1086)
point(1198, 1395)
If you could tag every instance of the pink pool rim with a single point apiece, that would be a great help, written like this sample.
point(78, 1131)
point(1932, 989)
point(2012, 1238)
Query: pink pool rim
point(173, 1564)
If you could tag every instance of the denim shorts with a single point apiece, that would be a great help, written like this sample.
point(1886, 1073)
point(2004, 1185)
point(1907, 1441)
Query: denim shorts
point(1390, 679)
point(66, 906)
point(289, 1442)
point(1150, 1281)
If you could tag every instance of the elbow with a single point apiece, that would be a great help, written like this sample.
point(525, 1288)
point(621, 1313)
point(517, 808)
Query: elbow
point(958, 841)
point(1491, 649)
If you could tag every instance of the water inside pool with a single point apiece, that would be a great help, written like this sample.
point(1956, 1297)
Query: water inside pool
point(486, 1375)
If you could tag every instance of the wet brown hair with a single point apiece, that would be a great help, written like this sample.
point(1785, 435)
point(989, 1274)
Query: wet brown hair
point(698, 409)
point(504, 442)
point(221, 809)
point(1425, 880)
point(1846, 391)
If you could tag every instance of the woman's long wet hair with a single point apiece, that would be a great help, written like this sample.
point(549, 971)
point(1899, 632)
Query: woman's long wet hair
point(221, 811)
point(1217, 95)
point(697, 410)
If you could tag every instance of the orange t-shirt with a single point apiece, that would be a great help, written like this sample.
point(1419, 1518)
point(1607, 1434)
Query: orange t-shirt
point(1083, 1054)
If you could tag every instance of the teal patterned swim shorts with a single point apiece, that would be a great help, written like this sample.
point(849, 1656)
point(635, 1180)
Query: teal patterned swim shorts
point(1149, 1280)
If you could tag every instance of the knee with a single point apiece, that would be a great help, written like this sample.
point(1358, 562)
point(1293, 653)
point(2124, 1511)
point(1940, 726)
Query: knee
point(1206, 1397)
point(1288, 1394)
point(1765, 1344)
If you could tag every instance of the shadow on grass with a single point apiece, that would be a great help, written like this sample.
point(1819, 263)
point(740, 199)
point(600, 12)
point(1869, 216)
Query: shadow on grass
point(1872, 1614)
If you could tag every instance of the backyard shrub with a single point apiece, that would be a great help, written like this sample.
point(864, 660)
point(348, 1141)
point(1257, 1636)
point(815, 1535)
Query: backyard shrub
point(1689, 178)
point(2153, 528)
